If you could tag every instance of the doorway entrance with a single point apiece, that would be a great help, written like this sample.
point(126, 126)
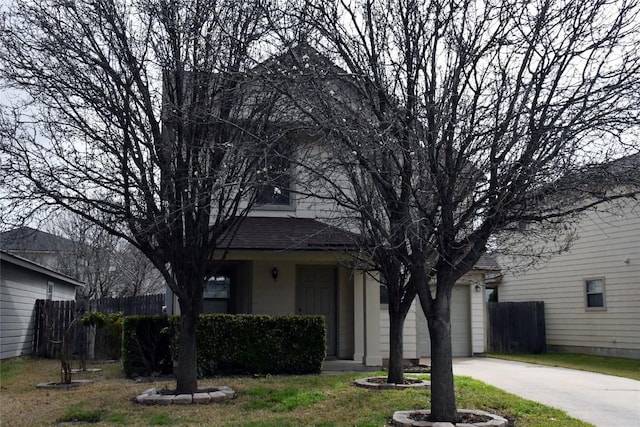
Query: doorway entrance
point(316, 294)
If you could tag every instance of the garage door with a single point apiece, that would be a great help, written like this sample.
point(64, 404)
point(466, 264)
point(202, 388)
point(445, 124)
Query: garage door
point(460, 325)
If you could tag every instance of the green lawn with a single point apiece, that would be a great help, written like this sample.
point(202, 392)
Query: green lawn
point(318, 400)
point(620, 367)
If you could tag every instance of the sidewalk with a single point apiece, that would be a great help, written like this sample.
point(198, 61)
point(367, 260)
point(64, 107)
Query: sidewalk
point(602, 400)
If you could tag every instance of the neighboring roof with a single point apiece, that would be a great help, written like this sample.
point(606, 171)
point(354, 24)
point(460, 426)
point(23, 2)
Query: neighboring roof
point(625, 165)
point(30, 265)
point(487, 262)
point(599, 179)
point(267, 233)
point(28, 239)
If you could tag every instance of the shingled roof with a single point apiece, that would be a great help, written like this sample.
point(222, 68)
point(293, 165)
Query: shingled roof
point(267, 233)
point(27, 239)
point(297, 234)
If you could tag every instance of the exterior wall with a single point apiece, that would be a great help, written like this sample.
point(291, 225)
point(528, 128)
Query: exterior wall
point(410, 331)
point(277, 297)
point(311, 204)
point(19, 289)
point(416, 331)
point(608, 247)
point(345, 313)
point(478, 314)
point(274, 296)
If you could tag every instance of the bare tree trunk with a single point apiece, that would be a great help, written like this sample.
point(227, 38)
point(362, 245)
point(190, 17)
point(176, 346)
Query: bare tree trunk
point(443, 399)
point(396, 345)
point(186, 375)
point(438, 313)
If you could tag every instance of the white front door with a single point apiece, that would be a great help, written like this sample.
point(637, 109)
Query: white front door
point(316, 294)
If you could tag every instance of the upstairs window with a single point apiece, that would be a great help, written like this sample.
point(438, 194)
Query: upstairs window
point(274, 177)
point(594, 294)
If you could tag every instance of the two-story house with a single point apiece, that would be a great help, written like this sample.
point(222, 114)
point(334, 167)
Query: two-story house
point(591, 292)
point(292, 255)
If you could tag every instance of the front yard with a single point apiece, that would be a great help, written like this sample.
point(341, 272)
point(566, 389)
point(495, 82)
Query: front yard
point(318, 400)
point(616, 366)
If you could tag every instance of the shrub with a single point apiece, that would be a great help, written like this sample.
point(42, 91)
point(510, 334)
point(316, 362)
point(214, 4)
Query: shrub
point(228, 344)
point(145, 346)
point(258, 344)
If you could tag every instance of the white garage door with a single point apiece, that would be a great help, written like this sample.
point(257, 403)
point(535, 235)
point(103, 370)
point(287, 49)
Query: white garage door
point(460, 325)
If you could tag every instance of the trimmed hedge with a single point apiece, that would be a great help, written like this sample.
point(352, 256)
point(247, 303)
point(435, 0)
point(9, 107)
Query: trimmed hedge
point(230, 344)
point(145, 346)
point(260, 344)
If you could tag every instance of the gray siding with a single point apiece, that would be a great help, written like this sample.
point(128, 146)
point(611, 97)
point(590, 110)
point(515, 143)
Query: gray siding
point(19, 289)
point(608, 247)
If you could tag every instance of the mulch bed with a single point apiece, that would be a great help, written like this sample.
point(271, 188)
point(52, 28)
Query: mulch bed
point(463, 418)
point(383, 380)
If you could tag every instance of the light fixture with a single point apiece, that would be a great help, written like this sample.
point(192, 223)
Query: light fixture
point(478, 288)
point(274, 273)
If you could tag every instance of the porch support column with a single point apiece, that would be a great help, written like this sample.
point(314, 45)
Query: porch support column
point(373, 355)
point(358, 316)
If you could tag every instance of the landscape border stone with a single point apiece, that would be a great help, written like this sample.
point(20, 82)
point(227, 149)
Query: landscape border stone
point(403, 419)
point(154, 396)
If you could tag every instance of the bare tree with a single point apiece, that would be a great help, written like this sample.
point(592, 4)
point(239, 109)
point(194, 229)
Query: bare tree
point(454, 121)
point(136, 274)
point(106, 264)
point(133, 115)
point(91, 253)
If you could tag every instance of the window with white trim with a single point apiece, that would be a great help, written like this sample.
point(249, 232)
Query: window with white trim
point(594, 293)
point(275, 177)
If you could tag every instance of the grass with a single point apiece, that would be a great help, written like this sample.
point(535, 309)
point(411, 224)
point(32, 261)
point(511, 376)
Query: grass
point(316, 400)
point(285, 400)
point(620, 367)
point(79, 413)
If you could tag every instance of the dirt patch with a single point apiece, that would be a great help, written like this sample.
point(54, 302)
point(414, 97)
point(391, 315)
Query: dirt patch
point(63, 386)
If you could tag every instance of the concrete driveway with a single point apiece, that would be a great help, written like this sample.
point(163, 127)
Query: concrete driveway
point(602, 400)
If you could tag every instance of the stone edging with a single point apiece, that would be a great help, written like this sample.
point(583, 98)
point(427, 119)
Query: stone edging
point(401, 419)
point(367, 383)
point(153, 396)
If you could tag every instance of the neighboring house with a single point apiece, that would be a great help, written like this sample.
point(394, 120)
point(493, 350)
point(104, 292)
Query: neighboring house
point(38, 246)
point(22, 282)
point(591, 293)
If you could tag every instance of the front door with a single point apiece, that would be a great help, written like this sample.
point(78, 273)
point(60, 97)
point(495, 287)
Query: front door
point(316, 294)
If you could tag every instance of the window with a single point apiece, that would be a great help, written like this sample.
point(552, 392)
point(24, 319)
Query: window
point(49, 291)
point(216, 293)
point(217, 287)
point(384, 295)
point(594, 293)
point(275, 177)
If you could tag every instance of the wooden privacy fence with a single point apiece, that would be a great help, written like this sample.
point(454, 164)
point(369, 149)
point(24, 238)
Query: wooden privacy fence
point(129, 306)
point(516, 327)
point(55, 318)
